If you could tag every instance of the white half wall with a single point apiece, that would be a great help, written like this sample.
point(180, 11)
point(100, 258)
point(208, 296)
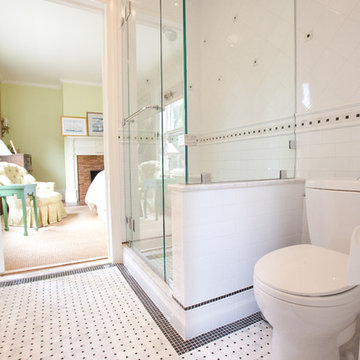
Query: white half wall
point(220, 231)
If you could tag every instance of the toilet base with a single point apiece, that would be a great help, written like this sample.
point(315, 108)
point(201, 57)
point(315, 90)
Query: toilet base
point(285, 348)
point(350, 349)
point(305, 332)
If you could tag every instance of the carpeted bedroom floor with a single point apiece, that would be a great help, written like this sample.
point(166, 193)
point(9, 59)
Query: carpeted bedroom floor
point(81, 235)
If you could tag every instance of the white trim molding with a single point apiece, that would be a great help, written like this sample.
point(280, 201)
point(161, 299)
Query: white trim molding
point(24, 83)
point(78, 82)
point(113, 152)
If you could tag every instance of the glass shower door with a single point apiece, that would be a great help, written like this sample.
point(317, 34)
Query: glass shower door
point(142, 132)
point(154, 125)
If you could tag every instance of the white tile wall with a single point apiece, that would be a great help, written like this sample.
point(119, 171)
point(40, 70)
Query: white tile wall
point(221, 49)
point(328, 66)
point(258, 158)
point(227, 90)
point(333, 152)
point(221, 233)
point(212, 316)
point(328, 63)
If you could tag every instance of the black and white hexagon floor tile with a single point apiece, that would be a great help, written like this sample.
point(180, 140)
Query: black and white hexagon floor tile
point(96, 314)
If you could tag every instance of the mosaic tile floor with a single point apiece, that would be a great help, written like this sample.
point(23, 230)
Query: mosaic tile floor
point(95, 314)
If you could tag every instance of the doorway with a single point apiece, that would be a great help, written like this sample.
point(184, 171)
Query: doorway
point(108, 159)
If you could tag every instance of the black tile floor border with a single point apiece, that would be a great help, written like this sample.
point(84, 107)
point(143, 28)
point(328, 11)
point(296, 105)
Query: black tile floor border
point(191, 307)
point(180, 345)
point(54, 275)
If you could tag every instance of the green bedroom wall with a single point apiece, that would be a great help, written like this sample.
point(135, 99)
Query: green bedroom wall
point(78, 99)
point(34, 114)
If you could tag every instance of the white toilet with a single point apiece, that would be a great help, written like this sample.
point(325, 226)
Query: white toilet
point(303, 290)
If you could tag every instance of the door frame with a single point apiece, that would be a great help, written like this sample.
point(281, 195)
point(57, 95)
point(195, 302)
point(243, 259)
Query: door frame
point(110, 11)
point(112, 109)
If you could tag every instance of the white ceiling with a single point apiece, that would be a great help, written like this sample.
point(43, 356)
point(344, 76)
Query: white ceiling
point(45, 42)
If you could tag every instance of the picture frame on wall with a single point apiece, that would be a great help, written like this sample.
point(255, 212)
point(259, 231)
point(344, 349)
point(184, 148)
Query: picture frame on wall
point(73, 126)
point(95, 123)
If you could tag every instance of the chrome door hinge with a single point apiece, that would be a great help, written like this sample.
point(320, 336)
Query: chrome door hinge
point(190, 140)
point(130, 222)
point(292, 144)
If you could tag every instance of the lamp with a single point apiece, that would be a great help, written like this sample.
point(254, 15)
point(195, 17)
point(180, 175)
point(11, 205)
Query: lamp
point(4, 149)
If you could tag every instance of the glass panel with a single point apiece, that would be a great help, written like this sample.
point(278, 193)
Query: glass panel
point(173, 114)
point(154, 138)
point(145, 150)
point(240, 88)
point(126, 130)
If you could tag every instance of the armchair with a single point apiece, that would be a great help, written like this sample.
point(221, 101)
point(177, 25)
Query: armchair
point(50, 206)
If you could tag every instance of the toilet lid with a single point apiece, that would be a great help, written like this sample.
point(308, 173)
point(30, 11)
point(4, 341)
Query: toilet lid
point(305, 270)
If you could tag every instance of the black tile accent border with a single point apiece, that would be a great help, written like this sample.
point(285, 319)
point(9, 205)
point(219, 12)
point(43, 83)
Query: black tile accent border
point(54, 275)
point(211, 300)
point(325, 120)
point(180, 345)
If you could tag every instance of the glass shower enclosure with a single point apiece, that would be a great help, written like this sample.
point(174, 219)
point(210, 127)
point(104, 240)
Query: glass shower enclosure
point(209, 92)
point(153, 125)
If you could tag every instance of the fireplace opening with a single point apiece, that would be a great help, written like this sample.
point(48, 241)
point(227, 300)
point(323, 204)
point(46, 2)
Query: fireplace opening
point(88, 167)
point(93, 174)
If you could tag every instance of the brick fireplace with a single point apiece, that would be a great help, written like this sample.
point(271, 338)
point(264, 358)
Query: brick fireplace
point(86, 166)
point(82, 154)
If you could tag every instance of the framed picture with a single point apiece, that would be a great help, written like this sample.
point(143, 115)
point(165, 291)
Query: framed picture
point(95, 123)
point(73, 126)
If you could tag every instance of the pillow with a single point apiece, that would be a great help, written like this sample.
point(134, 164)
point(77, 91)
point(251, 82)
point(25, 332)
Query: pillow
point(5, 180)
point(28, 179)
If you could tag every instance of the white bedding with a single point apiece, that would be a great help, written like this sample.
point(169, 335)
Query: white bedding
point(96, 197)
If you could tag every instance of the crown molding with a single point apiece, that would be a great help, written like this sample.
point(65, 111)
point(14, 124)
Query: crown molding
point(24, 83)
point(76, 82)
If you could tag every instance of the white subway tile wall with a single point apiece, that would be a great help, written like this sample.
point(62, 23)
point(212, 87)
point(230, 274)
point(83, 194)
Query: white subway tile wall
point(220, 234)
point(329, 153)
point(251, 159)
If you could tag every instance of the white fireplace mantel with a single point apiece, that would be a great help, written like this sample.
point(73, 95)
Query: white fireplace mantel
point(75, 146)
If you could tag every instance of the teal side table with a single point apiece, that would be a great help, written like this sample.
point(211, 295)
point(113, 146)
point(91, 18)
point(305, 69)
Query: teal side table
point(22, 192)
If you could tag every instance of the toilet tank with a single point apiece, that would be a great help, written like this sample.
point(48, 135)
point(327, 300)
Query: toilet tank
point(333, 211)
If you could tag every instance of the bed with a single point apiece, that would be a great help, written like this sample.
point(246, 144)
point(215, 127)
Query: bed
point(96, 196)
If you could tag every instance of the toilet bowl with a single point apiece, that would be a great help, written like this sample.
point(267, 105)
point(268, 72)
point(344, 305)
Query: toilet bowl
point(302, 291)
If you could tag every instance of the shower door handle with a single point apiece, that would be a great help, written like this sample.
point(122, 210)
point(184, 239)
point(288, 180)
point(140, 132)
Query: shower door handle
point(131, 117)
